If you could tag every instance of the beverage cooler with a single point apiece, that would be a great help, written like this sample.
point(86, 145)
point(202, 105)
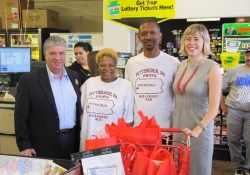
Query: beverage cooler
point(2, 40)
point(33, 38)
point(236, 37)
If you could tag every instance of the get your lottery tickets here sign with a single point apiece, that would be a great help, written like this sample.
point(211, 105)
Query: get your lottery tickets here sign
point(132, 12)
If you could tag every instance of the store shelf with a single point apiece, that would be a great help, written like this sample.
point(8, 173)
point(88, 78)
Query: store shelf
point(7, 105)
point(35, 45)
point(234, 35)
point(221, 153)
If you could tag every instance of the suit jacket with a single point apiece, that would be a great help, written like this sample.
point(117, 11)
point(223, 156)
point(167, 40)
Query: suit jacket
point(36, 117)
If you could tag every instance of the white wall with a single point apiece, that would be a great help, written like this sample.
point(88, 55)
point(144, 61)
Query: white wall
point(122, 38)
point(118, 37)
point(211, 8)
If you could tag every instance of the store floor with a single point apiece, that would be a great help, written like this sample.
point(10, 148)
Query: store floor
point(221, 167)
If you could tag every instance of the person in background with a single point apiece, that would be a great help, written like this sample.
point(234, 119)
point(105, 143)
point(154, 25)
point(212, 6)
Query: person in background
point(80, 66)
point(92, 64)
point(47, 109)
point(105, 98)
point(237, 109)
point(197, 88)
point(152, 74)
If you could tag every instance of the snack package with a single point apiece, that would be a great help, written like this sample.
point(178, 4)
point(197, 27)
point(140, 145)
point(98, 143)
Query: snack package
point(53, 169)
point(23, 166)
point(29, 166)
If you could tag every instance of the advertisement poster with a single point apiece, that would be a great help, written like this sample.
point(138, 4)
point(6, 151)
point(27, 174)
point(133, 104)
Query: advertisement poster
point(236, 36)
point(241, 29)
point(125, 12)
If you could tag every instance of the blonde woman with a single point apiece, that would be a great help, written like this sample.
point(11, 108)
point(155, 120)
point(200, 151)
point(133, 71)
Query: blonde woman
point(197, 88)
point(105, 98)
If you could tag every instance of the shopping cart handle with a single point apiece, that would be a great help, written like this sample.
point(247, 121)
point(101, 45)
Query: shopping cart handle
point(171, 130)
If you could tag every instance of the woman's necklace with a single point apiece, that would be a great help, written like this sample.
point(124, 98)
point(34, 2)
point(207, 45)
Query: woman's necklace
point(181, 91)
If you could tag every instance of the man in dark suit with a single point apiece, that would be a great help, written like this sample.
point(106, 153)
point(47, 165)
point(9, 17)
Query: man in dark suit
point(48, 109)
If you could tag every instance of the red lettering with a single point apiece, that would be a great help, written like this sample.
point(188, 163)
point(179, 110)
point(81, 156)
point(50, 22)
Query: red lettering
point(241, 20)
point(243, 29)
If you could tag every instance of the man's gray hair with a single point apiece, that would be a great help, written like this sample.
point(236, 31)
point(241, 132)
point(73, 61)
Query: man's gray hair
point(54, 41)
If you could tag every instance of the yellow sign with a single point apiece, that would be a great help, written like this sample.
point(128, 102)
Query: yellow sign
point(120, 10)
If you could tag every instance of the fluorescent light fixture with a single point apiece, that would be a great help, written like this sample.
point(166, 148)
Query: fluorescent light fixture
point(202, 19)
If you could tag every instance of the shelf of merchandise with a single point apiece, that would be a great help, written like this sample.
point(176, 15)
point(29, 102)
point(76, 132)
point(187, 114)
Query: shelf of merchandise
point(4, 83)
point(32, 37)
point(26, 40)
point(221, 149)
point(2, 40)
point(216, 44)
point(7, 105)
point(244, 43)
point(236, 32)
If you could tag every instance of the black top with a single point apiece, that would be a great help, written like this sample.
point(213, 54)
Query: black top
point(84, 74)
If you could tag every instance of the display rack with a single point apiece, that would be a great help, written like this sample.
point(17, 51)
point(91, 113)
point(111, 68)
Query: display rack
point(122, 61)
point(4, 83)
point(27, 40)
point(221, 149)
point(236, 32)
point(2, 40)
point(216, 44)
point(33, 37)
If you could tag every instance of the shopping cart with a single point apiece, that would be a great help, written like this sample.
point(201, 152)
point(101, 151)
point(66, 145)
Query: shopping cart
point(180, 151)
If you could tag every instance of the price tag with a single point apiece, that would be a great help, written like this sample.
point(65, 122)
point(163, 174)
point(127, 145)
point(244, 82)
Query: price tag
point(232, 45)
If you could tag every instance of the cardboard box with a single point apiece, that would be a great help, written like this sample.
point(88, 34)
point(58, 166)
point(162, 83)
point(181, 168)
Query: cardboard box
point(11, 20)
point(38, 18)
point(7, 121)
point(73, 168)
point(9, 6)
point(8, 145)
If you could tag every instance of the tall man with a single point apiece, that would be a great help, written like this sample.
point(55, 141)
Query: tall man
point(152, 74)
point(47, 109)
point(237, 108)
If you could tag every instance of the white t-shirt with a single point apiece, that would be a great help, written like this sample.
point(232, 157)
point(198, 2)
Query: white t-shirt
point(152, 80)
point(103, 103)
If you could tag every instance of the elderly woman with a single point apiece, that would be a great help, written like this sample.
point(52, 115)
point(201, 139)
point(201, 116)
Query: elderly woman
point(105, 98)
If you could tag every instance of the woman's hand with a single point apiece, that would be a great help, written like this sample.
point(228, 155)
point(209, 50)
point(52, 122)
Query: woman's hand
point(188, 132)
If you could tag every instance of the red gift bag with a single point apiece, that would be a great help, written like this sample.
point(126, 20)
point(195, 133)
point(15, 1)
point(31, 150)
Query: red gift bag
point(100, 142)
point(129, 151)
point(144, 162)
point(148, 132)
point(159, 163)
point(185, 162)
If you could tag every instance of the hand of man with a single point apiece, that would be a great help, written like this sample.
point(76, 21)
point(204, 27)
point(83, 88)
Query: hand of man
point(224, 108)
point(28, 152)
